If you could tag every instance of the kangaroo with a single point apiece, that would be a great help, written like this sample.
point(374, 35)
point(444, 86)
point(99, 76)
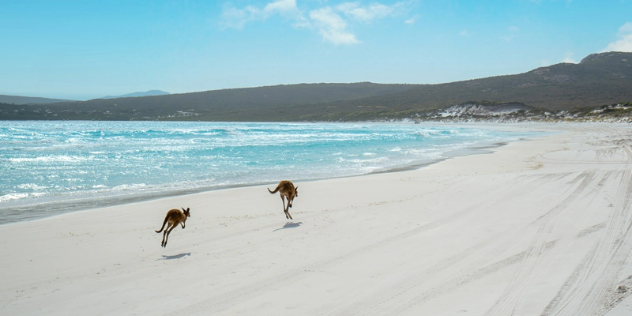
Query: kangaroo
point(286, 189)
point(174, 217)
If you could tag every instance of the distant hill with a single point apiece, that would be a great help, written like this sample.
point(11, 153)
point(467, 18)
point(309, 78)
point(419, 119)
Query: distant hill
point(599, 79)
point(137, 94)
point(28, 100)
point(247, 104)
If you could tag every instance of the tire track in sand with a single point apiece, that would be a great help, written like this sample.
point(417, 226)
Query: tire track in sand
point(536, 258)
point(592, 287)
point(464, 265)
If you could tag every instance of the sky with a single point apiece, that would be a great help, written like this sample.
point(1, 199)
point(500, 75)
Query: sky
point(88, 49)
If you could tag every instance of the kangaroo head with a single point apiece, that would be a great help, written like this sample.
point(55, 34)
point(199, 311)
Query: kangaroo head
point(296, 191)
point(187, 212)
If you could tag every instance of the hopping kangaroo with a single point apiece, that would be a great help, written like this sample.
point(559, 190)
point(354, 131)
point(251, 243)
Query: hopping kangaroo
point(174, 217)
point(286, 189)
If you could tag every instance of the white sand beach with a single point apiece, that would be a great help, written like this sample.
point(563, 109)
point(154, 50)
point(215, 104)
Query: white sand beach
point(538, 227)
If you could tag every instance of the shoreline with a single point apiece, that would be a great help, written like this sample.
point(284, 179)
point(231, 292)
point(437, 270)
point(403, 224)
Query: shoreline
point(536, 227)
point(56, 208)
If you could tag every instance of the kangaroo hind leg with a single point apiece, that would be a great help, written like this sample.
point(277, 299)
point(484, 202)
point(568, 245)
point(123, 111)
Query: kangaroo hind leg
point(169, 232)
point(283, 200)
point(165, 235)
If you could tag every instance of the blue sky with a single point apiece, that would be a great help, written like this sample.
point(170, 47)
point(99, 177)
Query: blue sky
point(88, 49)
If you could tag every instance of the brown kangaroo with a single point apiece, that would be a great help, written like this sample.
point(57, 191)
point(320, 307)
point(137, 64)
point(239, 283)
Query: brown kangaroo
point(286, 189)
point(174, 217)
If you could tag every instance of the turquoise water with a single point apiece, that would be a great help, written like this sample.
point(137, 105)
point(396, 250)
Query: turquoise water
point(48, 168)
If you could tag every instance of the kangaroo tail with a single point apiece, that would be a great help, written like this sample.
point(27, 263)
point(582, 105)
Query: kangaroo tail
point(275, 190)
point(163, 225)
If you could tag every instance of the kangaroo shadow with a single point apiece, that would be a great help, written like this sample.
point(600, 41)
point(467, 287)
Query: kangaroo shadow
point(289, 225)
point(178, 256)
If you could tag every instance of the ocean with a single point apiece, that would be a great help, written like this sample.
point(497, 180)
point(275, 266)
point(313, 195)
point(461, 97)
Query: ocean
point(52, 167)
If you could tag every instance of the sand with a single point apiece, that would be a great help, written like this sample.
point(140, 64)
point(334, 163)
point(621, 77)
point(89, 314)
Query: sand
point(536, 227)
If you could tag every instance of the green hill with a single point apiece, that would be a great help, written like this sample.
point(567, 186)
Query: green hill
point(598, 79)
point(28, 100)
point(247, 104)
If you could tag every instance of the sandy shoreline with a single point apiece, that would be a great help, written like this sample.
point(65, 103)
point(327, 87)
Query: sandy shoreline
point(539, 227)
point(51, 199)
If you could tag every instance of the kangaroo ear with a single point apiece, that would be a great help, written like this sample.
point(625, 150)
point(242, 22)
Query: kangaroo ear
point(183, 209)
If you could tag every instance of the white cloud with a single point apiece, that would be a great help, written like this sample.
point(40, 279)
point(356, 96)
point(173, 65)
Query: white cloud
point(368, 13)
point(624, 43)
point(626, 28)
point(237, 18)
point(234, 18)
point(331, 21)
point(412, 20)
point(332, 27)
point(568, 59)
point(512, 30)
point(281, 6)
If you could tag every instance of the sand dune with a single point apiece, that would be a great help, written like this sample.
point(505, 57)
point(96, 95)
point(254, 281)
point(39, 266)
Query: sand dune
point(538, 227)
